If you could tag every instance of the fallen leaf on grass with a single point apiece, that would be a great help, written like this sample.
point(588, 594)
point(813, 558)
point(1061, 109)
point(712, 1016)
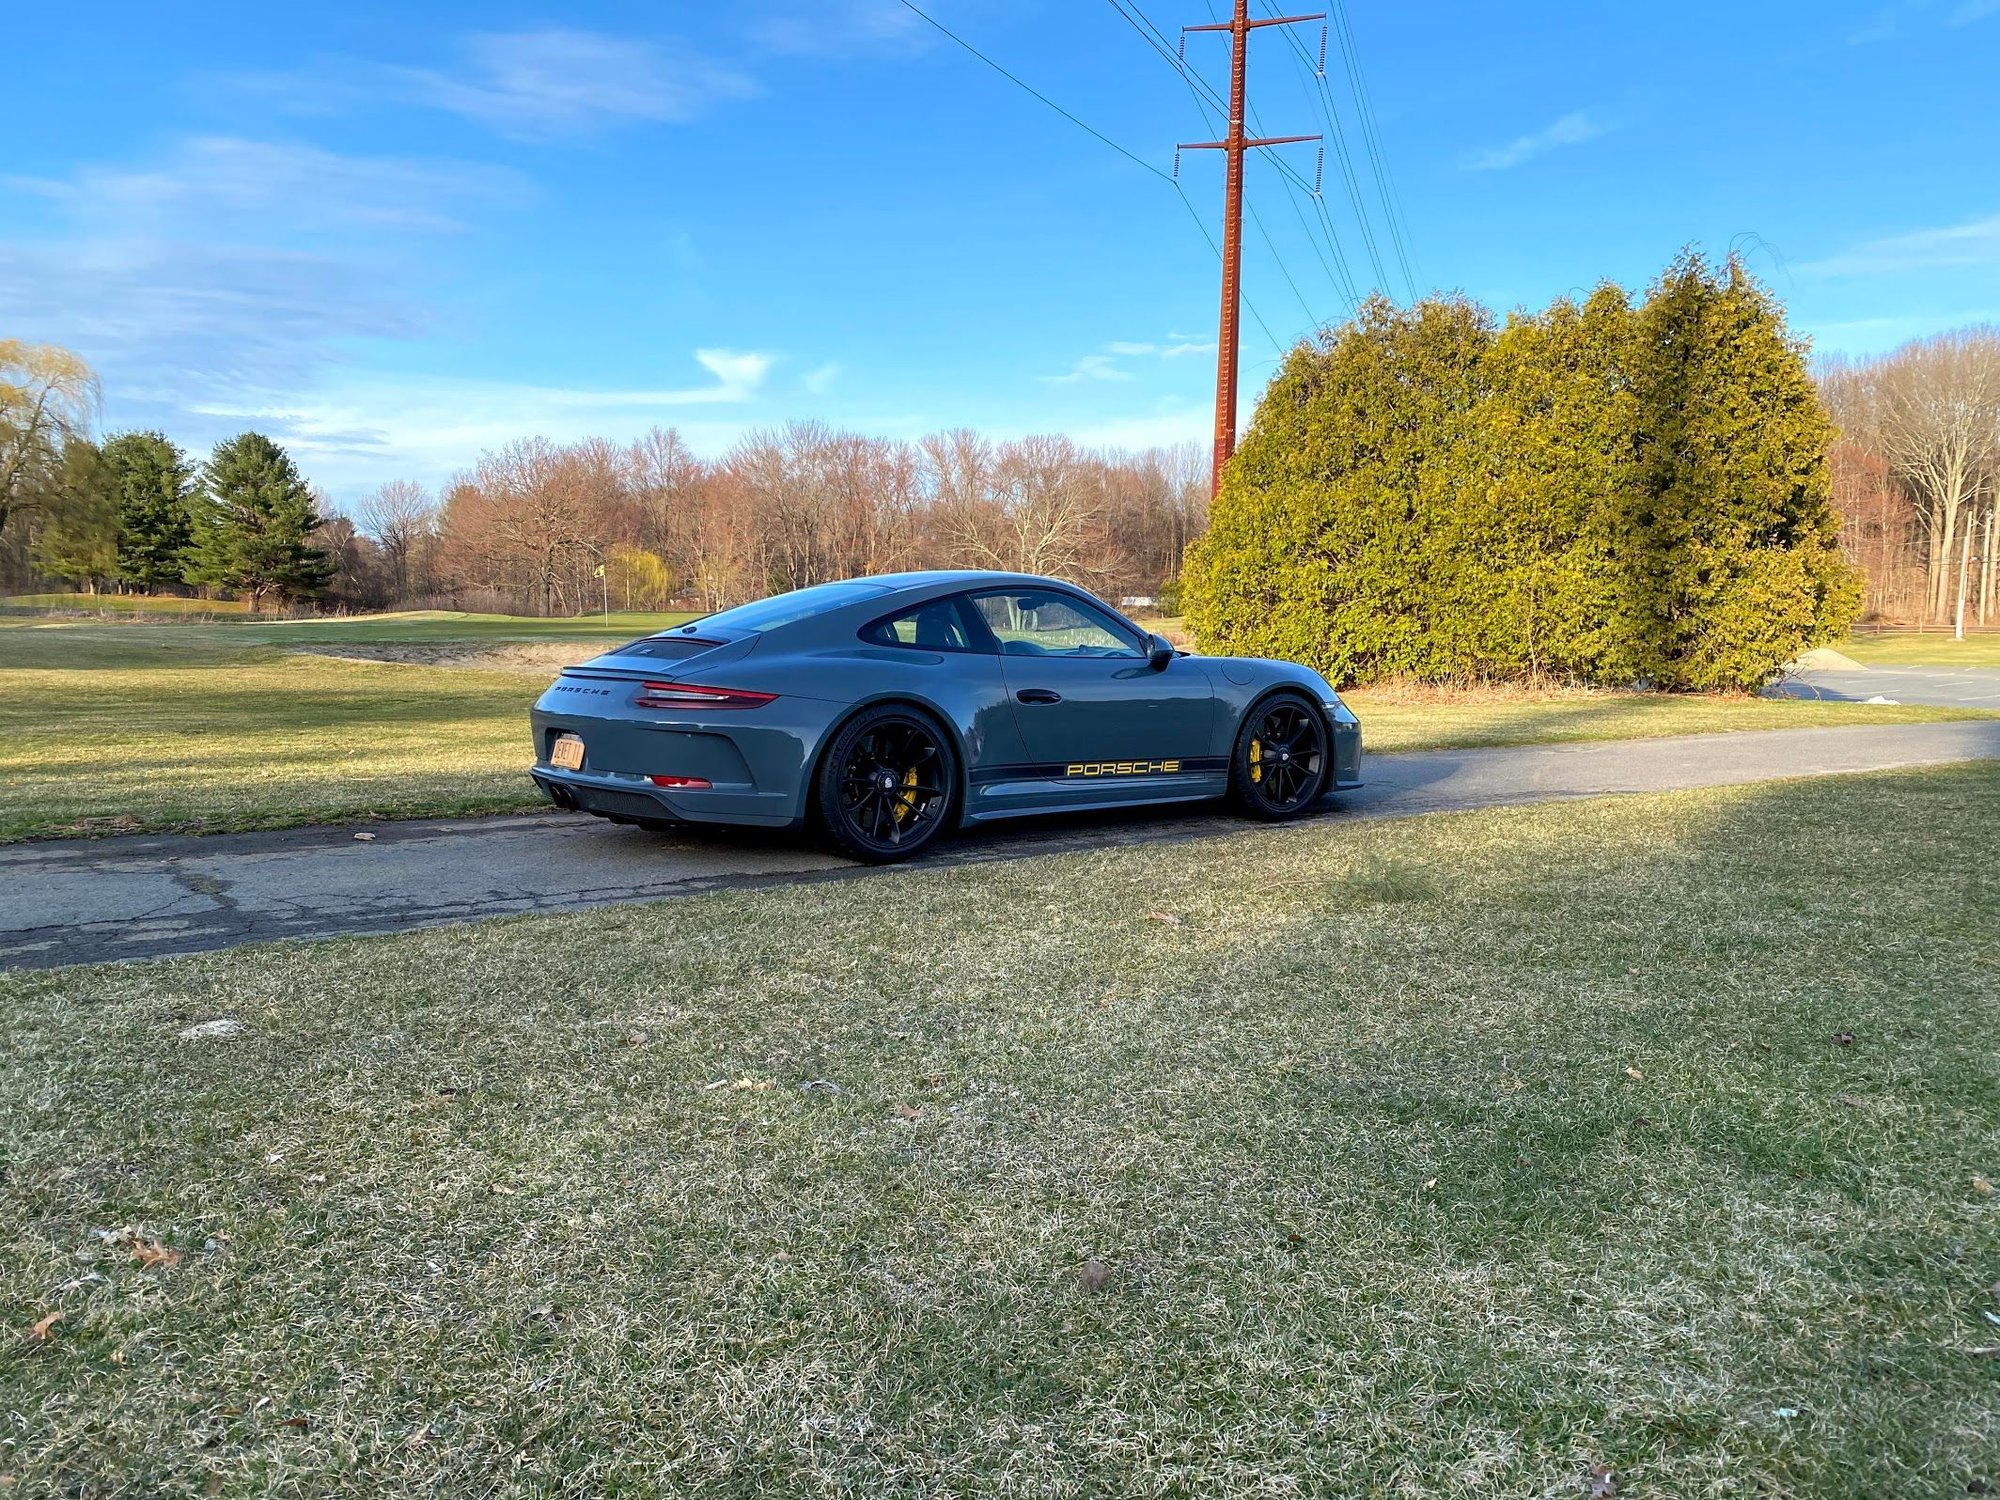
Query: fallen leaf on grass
point(1093, 1274)
point(1430, 1183)
point(752, 1085)
point(1981, 1185)
point(1167, 917)
point(151, 1253)
point(503, 1190)
point(203, 1031)
point(300, 1423)
point(905, 1112)
point(1843, 1039)
point(44, 1329)
point(418, 1438)
point(1634, 1073)
point(1602, 1484)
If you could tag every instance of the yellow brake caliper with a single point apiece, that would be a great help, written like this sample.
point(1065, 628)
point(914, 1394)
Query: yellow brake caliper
point(906, 804)
point(1256, 760)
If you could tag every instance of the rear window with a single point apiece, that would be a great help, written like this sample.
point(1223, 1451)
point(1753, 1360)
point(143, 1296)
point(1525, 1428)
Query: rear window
point(786, 609)
point(936, 626)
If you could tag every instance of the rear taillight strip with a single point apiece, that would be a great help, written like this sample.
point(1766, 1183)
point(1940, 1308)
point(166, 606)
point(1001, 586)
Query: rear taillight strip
point(692, 695)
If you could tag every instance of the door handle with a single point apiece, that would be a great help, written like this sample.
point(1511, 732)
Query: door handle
point(1037, 695)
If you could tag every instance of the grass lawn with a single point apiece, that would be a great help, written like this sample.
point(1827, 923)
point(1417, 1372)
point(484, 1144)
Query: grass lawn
point(108, 727)
point(1422, 718)
point(1455, 1156)
point(123, 727)
point(1930, 649)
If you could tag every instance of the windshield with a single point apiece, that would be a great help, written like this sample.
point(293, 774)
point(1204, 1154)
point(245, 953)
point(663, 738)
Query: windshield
point(783, 609)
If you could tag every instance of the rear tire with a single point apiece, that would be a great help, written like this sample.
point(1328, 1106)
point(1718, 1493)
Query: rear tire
point(887, 785)
point(1283, 760)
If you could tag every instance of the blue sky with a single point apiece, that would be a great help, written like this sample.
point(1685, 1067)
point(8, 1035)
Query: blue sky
point(394, 235)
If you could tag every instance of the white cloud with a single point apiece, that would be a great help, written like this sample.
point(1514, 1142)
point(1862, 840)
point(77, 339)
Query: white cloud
point(821, 380)
point(358, 429)
point(227, 263)
point(837, 28)
point(1090, 367)
point(219, 186)
point(1572, 129)
point(561, 81)
point(1976, 243)
point(1888, 22)
point(528, 85)
point(1105, 366)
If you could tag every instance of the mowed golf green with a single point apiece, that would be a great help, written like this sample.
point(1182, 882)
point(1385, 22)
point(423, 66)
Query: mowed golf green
point(1466, 1155)
point(1924, 649)
point(129, 726)
point(118, 727)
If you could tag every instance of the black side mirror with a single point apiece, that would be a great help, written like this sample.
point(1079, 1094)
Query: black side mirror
point(1162, 653)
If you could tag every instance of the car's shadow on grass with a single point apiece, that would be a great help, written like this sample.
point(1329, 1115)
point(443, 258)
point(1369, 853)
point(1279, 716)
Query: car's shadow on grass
point(1018, 838)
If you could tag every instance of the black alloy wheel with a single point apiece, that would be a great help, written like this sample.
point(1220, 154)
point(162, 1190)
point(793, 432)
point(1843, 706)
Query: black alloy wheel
point(1282, 762)
point(887, 786)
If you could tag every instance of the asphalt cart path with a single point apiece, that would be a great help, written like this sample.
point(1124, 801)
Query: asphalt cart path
point(139, 896)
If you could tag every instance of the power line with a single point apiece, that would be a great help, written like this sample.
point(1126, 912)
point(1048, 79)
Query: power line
point(1391, 211)
point(1235, 145)
point(1323, 97)
point(1197, 87)
point(1037, 93)
point(1091, 130)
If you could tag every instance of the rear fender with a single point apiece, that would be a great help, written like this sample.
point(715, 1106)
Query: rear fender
point(929, 710)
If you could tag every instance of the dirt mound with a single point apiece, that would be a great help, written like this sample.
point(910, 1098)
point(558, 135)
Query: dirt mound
point(512, 656)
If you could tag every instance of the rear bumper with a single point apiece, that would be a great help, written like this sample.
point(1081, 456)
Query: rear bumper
point(614, 794)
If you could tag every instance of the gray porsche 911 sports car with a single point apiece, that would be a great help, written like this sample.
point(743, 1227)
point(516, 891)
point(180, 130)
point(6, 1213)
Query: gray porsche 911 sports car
point(883, 711)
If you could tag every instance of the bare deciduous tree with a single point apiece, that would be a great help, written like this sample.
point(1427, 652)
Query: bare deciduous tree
point(402, 517)
point(1931, 409)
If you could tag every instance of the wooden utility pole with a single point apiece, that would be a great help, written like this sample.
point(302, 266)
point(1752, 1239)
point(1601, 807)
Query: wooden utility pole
point(1235, 144)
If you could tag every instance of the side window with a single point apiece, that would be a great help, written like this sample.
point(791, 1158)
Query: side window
point(936, 626)
point(1031, 622)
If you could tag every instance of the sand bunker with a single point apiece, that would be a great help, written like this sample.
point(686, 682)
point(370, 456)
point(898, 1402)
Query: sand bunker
point(541, 658)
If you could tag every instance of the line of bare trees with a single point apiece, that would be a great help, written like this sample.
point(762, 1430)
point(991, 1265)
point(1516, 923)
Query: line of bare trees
point(557, 529)
point(1917, 475)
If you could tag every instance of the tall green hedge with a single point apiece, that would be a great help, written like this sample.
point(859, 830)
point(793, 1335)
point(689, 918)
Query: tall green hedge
point(1598, 493)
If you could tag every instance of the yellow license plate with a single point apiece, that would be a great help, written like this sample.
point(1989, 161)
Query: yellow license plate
point(567, 752)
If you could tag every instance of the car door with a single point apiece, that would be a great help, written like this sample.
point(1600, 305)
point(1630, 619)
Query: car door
point(1085, 691)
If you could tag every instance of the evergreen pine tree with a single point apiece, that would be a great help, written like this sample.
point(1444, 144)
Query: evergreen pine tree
point(1733, 564)
point(1595, 492)
point(154, 485)
point(78, 537)
point(253, 524)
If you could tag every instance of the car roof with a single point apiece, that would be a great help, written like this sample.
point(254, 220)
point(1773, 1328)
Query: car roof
point(964, 577)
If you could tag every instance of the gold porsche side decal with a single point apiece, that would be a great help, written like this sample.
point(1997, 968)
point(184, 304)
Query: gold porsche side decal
point(1121, 767)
